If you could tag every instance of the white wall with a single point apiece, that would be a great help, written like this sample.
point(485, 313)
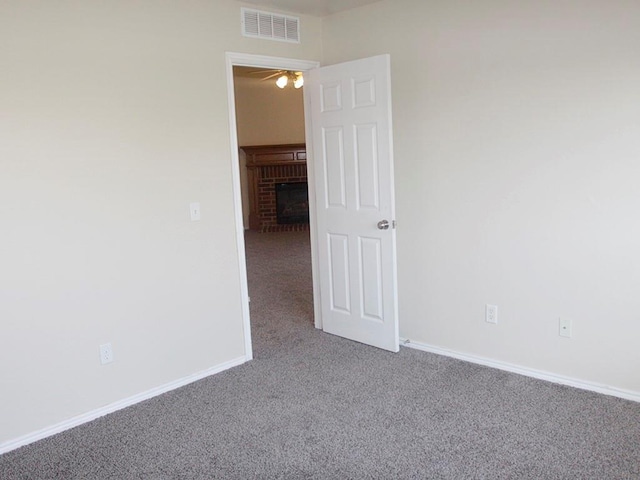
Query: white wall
point(113, 118)
point(517, 148)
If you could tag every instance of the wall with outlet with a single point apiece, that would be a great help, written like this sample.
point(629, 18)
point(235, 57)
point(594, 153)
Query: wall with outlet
point(114, 120)
point(517, 146)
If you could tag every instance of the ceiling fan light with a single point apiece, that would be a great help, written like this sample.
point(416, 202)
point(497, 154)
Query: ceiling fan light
point(299, 81)
point(282, 81)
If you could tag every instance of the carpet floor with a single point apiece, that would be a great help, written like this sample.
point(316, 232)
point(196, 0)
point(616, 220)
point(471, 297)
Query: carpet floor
point(315, 406)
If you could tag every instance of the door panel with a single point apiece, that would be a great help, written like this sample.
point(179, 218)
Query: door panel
point(366, 160)
point(352, 159)
point(339, 273)
point(371, 279)
point(335, 182)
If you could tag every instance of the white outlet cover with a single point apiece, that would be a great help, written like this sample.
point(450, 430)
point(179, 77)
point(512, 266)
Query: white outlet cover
point(564, 325)
point(106, 353)
point(491, 313)
point(194, 209)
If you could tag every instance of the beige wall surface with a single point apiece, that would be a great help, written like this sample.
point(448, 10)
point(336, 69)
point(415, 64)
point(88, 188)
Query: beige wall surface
point(517, 151)
point(113, 118)
point(266, 114)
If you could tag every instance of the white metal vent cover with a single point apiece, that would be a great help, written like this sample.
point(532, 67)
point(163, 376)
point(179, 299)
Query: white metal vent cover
point(271, 26)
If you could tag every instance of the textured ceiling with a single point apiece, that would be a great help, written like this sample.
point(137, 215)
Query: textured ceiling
point(318, 8)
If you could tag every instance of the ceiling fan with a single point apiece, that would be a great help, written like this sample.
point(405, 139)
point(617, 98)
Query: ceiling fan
point(283, 77)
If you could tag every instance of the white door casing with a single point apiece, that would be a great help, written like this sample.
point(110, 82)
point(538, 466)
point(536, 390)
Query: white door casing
point(352, 162)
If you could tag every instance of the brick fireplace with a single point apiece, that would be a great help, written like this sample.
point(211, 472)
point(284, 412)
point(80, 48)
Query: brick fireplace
point(269, 167)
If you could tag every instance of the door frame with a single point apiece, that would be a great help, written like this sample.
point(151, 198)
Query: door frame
point(263, 61)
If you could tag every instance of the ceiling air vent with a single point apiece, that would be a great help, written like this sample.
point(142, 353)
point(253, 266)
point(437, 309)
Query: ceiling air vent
point(271, 26)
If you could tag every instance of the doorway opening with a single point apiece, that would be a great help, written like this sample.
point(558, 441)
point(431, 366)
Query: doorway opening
point(241, 200)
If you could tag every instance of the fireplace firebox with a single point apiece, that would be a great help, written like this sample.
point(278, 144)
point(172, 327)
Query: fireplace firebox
point(292, 203)
point(268, 166)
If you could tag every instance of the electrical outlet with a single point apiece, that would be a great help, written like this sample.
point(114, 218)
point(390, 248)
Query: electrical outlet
point(491, 313)
point(564, 325)
point(106, 353)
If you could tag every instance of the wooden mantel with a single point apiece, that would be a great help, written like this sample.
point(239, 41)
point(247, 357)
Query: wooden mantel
point(276, 155)
point(266, 165)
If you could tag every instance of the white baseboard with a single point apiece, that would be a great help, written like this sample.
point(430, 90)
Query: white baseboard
point(112, 407)
point(529, 372)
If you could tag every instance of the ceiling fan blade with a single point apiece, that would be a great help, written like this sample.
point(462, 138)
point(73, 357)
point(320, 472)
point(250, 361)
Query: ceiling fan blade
point(278, 73)
point(262, 70)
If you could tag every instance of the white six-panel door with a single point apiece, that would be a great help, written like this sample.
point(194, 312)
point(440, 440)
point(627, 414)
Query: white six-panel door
point(352, 156)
